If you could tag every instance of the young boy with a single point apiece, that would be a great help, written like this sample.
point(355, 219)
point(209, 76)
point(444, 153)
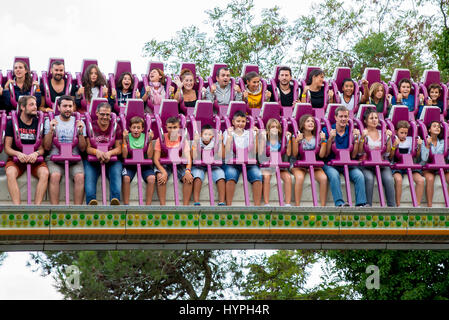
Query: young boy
point(404, 144)
point(435, 91)
point(404, 97)
point(238, 134)
point(172, 140)
point(137, 141)
point(207, 142)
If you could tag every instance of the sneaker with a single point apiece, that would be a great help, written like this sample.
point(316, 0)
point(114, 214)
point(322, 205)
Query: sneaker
point(93, 202)
point(115, 202)
point(343, 205)
point(365, 205)
point(197, 204)
point(266, 205)
point(287, 205)
point(221, 204)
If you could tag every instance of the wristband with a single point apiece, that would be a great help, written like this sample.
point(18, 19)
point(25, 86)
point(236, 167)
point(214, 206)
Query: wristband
point(187, 169)
point(303, 95)
point(393, 148)
point(95, 152)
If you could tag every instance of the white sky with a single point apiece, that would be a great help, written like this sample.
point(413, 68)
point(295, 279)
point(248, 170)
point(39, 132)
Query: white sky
point(99, 29)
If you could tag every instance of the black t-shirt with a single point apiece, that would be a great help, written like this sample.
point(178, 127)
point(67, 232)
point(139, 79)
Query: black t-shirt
point(27, 133)
point(317, 98)
point(286, 99)
point(54, 94)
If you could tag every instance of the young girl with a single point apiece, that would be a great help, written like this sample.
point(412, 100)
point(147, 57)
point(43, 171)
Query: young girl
point(404, 97)
point(434, 143)
point(307, 137)
point(185, 84)
point(373, 138)
point(347, 96)
point(315, 87)
point(22, 83)
point(274, 137)
point(124, 91)
point(155, 91)
point(435, 91)
point(253, 90)
point(91, 83)
point(377, 97)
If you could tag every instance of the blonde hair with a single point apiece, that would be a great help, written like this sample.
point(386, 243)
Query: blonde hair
point(374, 87)
point(278, 124)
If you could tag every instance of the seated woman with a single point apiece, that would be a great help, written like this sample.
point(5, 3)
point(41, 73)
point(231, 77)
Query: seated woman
point(307, 138)
point(253, 90)
point(315, 87)
point(22, 82)
point(155, 91)
point(91, 83)
point(373, 138)
point(185, 83)
point(124, 91)
point(376, 97)
point(435, 144)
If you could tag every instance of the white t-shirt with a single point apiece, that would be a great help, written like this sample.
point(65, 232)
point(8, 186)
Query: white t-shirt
point(350, 104)
point(240, 141)
point(64, 131)
point(406, 146)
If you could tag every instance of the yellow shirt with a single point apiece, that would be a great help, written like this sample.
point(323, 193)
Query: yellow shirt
point(255, 100)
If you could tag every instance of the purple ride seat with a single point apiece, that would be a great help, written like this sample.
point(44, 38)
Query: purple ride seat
point(372, 75)
point(375, 157)
point(340, 74)
point(404, 161)
point(307, 158)
point(45, 80)
point(197, 86)
point(133, 108)
point(221, 109)
point(273, 110)
point(3, 122)
point(10, 76)
point(317, 112)
point(66, 153)
point(79, 81)
point(171, 156)
point(398, 75)
point(145, 81)
point(121, 67)
point(254, 112)
point(203, 114)
point(430, 77)
point(104, 147)
point(342, 156)
point(28, 148)
point(286, 111)
point(436, 161)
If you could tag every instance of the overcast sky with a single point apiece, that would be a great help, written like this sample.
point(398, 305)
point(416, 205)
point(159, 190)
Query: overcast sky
point(99, 29)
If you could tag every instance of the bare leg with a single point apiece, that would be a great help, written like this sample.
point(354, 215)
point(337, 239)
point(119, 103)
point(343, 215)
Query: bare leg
point(13, 187)
point(151, 180)
point(221, 187)
point(197, 183)
point(430, 182)
point(161, 192)
point(186, 192)
point(419, 181)
point(257, 192)
point(299, 181)
point(126, 187)
point(230, 189)
point(266, 186)
point(53, 188)
point(398, 187)
point(78, 195)
point(321, 177)
point(41, 188)
point(287, 179)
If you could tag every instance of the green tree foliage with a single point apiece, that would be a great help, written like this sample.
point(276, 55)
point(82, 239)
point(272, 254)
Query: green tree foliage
point(404, 275)
point(230, 36)
point(139, 274)
point(440, 45)
point(2, 257)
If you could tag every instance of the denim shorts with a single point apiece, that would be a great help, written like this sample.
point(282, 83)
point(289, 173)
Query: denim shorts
point(232, 172)
point(199, 172)
point(180, 169)
point(131, 171)
point(404, 171)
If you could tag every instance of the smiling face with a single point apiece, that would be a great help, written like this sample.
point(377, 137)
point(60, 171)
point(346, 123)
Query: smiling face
point(104, 116)
point(19, 70)
point(187, 82)
point(348, 88)
point(405, 89)
point(57, 72)
point(318, 80)
point(126, 82)
point(434, 94)
point(253, 84)
point(239, 123)
point(372, 121)
point(341, 118)
point(155, 76)
point(309, 124)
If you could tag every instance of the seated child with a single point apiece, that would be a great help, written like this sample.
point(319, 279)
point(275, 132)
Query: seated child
point(240, 136)
point(172, 140)
point(274, 138)
point(253, 93)
point(207, 142)
point(435, 92)
point(137, 141)
point(404, 144)
point(404, 97)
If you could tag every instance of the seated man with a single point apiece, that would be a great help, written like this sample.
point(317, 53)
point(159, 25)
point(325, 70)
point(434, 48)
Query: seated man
point(102, 130)
point(285, 88)
point(28, 125)
point(57, 85)
point(64, 126)
point(221, 90)
point(340, 135)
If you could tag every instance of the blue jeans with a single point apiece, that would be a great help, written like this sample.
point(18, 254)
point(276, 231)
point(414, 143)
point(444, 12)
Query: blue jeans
point(355, 175)
point(92, 170)
point(232, 172)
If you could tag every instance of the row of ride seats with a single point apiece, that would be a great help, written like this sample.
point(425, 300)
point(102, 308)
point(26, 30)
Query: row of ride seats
point(203, 113)
point(372, 75)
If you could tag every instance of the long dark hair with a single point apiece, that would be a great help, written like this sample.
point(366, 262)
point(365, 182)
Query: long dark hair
point(28, 79)
point(440, 136)
point(120, 80)
point(302, 122)
point(88, 85)
point(314, 73)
